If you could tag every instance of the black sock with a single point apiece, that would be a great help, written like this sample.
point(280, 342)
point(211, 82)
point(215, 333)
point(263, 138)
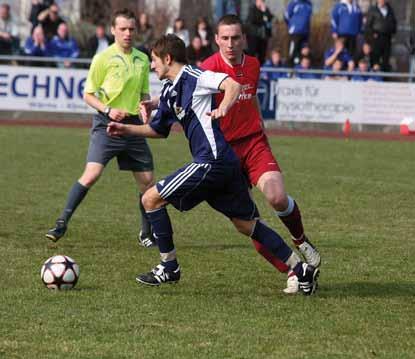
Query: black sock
point(75, 197)
point(145, 224)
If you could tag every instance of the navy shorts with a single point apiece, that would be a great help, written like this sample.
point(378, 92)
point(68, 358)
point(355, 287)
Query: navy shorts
point(132, 152)
point(221, 185)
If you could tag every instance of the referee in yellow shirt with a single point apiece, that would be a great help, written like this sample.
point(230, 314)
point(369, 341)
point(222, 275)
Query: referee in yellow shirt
point(118, 80)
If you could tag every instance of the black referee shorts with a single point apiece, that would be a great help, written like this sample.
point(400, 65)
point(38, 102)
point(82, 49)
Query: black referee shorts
point(132, 152)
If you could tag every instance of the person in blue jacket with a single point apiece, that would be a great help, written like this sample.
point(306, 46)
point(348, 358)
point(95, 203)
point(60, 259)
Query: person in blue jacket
point(36, 44)
point(346, 22)
point(63, 45)
point(298, 18)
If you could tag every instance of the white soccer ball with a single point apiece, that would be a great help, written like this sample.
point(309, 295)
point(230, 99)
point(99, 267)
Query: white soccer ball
point(60, 272)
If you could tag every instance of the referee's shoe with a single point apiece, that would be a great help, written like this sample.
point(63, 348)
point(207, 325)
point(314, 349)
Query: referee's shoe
point(58, 231)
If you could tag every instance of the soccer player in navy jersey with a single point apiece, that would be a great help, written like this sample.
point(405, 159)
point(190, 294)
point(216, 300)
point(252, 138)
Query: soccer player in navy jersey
point(214, 175)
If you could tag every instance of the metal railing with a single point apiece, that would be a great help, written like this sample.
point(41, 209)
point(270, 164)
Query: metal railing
point(292, 72)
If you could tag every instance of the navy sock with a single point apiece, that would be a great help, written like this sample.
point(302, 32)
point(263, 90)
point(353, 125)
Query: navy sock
point(145, 224)
point(170, 265)
point(75, 197)
point(162, 228)
point(271, 241)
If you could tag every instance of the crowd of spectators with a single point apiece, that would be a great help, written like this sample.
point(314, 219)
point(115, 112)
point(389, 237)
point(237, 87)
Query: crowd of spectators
point(360, 42)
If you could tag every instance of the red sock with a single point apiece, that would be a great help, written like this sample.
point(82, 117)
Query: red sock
point(278, 264)
point(294, 224)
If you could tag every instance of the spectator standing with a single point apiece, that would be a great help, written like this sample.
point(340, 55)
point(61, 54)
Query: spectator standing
point(63, 45)
point(196, 52)
point(204, 30)
point(9, 40)
point(346, 22)
point(179, 29)
point(36, 44)
point(340, 53)
point(99, 42)
point(275, 61)
point(380, 27)
point(298, 18)
point(411, 45)
point(223, 7)
point(259, 24)
point(37, 7)
point(50, 20)
point(145, 34)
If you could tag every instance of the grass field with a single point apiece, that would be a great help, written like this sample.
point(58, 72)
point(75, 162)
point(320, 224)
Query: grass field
point(357, 200)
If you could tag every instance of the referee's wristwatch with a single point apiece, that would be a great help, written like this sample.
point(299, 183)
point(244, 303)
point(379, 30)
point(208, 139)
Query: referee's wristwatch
point(107, 110)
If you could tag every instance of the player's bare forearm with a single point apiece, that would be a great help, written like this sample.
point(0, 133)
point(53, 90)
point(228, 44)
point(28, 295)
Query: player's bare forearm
point(118, 129)
point(232, 91)
point(258, 108)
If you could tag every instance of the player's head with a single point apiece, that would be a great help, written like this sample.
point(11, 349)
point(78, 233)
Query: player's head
point(230, 38)
point(168, 51)
point(123, 26)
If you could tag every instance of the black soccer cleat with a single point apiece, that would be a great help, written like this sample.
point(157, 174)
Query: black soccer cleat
point(159, 275)
point(146, 240)
point(58, 231)
point(307, 280)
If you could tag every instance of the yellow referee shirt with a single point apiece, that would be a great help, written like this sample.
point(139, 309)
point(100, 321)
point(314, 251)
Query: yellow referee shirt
point(119, 79)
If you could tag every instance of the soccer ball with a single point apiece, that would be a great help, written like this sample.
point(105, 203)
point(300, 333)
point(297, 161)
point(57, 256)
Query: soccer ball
point(60, 272)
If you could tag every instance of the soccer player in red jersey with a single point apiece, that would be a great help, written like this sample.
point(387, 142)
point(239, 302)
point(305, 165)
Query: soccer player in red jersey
point(243, 129)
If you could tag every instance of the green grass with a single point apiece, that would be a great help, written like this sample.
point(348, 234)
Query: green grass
point(357, 201)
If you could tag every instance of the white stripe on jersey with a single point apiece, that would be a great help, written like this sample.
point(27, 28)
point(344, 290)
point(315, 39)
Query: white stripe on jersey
point(194, 72)
point(180, 178)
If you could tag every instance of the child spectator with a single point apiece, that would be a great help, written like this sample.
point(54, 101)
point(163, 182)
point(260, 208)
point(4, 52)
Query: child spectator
point(338, 52)
point(365, 53)
point(336, 68)
point(275, 61)
point(305, 64)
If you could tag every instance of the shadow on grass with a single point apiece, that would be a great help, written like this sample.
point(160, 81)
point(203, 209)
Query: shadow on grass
point(219, 247)
point(367, 289)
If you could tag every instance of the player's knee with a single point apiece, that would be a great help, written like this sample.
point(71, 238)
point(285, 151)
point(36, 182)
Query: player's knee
point(244, 227)
point(277, 200)
point(151, 200)
point(89, 179)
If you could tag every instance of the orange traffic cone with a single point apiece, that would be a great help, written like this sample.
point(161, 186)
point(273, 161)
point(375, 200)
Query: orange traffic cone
point(347, 128)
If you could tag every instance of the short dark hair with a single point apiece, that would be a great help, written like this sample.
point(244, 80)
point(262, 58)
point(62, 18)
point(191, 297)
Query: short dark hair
point(126, 13)
point(170, 45)
point(230, 19)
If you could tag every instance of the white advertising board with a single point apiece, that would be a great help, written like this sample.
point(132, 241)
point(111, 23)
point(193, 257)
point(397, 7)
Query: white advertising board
point(335, 101)
point(47, 89)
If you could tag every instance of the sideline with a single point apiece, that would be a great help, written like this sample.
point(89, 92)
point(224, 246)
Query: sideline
point(376, 136)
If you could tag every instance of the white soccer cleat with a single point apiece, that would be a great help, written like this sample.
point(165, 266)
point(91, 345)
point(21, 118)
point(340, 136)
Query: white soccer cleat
point(292, 284)
point(310, 253)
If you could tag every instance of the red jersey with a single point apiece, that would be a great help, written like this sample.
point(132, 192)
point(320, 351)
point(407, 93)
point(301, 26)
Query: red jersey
point(243, 118)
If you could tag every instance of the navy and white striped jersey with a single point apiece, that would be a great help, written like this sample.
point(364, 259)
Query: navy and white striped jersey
point(187, 100)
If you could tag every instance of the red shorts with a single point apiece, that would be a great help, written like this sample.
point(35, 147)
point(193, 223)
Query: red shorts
point(256, 156)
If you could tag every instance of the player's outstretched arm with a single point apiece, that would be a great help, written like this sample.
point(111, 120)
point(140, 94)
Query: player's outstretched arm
point(116, 129)
point(232, 90)
point(146, 107)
